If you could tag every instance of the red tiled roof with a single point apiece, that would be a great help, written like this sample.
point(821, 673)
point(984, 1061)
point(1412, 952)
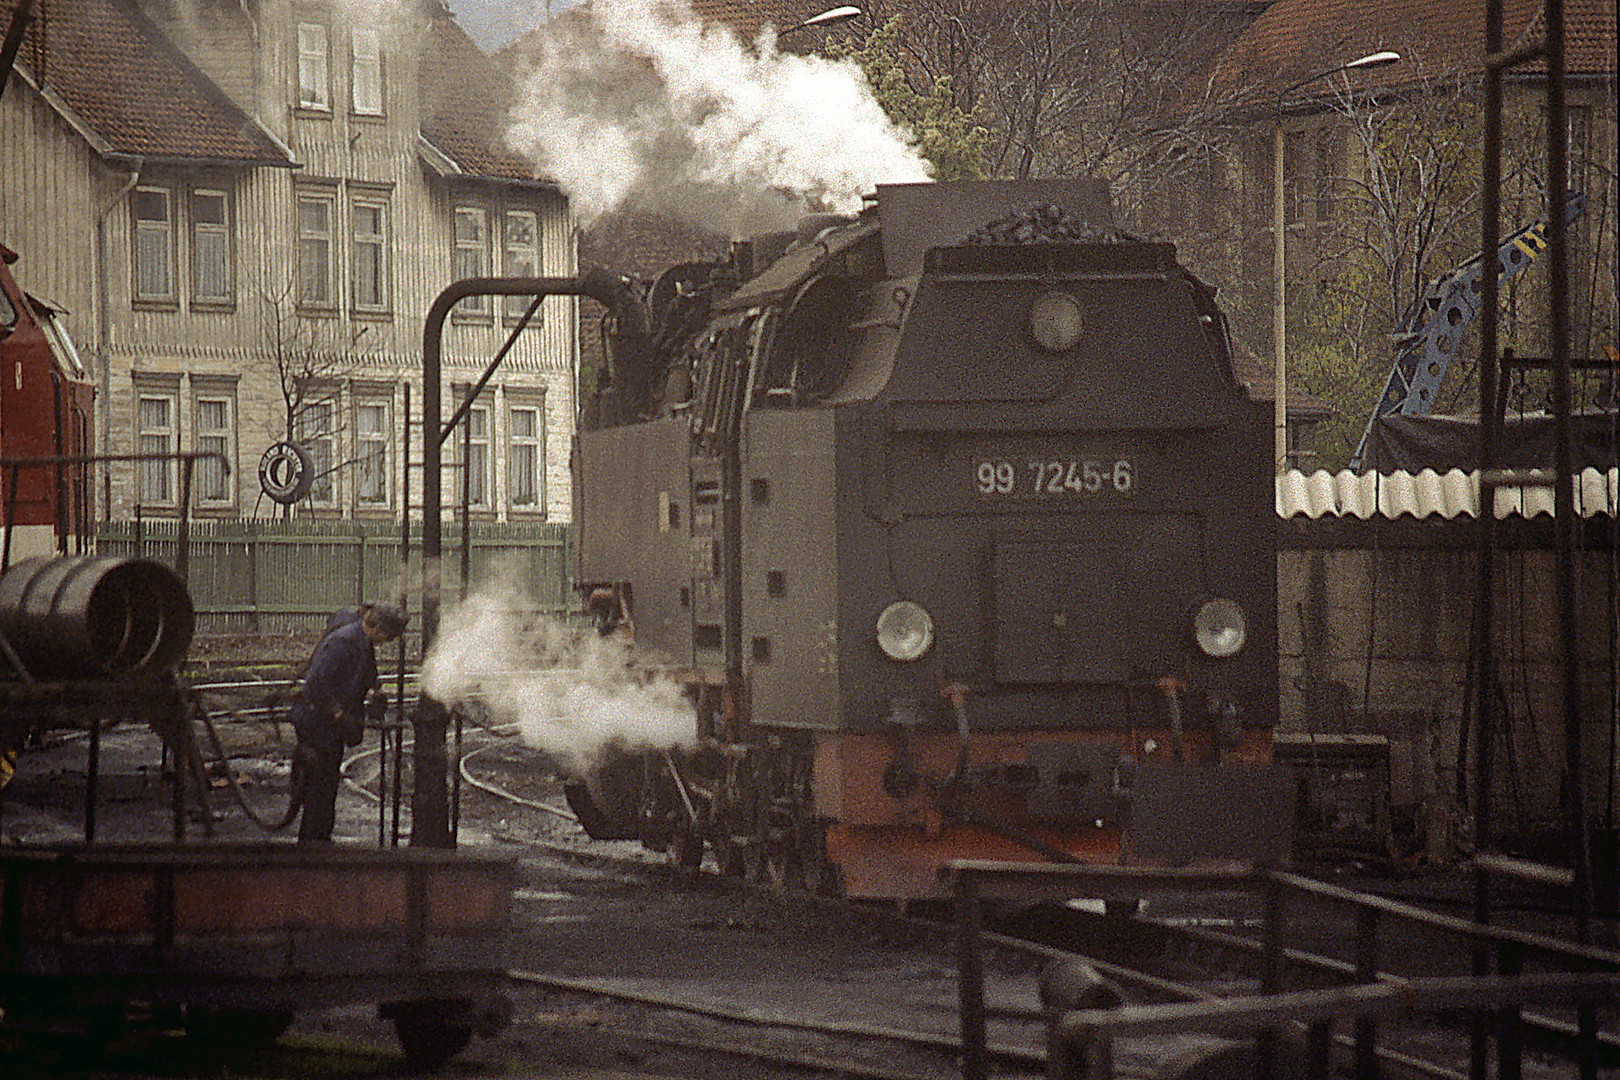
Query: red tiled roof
point(132, 88)
point(747, 17)
point(465, 97)
point(1293, 39)
point(1589, 27)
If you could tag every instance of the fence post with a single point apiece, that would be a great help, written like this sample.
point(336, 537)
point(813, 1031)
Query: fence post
point(252, 535)
point(1366, 971)
point(1066, 986)
point(565, 571)
point(1509, 1035)
point(1271, 972)
point(360, 565)
point(970, 979)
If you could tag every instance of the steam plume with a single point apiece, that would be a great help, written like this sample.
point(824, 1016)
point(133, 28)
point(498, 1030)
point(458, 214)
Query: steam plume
point(637, 103)
point(571, 694)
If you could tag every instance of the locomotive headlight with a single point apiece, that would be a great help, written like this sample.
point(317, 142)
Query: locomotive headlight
point(1219, 627)
point(1055, 321)
point(904, 630)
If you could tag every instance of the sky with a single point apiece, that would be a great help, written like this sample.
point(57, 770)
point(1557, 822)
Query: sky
point(497, 23)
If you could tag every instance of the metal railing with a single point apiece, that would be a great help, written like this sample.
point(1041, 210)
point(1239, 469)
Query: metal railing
point(1080, 1039)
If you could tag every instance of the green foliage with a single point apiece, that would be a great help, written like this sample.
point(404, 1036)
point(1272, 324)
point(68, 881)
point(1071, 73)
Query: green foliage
point(1405, 212)
point(948, 137)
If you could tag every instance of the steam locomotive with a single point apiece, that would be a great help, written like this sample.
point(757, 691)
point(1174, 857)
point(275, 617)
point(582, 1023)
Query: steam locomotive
point(959, 525)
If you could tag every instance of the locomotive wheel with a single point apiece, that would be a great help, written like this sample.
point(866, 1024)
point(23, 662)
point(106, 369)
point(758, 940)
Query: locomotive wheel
point(221, 1028)
point(730, 855)
point(431, 1032)
point(686, 850)
point(778, 868)
point(822, 876)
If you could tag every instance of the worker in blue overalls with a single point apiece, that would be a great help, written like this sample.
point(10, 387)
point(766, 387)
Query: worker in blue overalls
point(330, 711)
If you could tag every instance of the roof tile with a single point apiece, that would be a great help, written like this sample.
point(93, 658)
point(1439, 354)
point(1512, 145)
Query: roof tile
point(125, 80)
point(465, 97)
point(1294, 38)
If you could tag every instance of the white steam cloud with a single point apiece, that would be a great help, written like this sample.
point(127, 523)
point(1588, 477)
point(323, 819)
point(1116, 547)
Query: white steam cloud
point(571, 694)
point(636, 103)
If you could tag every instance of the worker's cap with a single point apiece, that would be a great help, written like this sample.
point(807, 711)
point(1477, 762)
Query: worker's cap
point(390, 618)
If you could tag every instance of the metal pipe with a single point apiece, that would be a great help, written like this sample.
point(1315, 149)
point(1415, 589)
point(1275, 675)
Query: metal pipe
point(1490, 208)
point(104, 324)
point(396, 737)
point(970, 980)
point(430, 818)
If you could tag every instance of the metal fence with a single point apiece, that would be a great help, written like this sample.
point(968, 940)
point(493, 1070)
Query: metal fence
point(267, 577)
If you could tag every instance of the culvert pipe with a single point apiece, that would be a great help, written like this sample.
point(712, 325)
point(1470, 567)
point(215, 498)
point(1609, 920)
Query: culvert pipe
point(86, 617)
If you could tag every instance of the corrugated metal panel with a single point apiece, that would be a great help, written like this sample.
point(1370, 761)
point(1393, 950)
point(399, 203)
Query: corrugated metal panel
point(1430, 494)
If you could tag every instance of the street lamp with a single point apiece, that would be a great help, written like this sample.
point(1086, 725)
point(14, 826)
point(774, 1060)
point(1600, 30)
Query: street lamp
point(826, 18)
point(1279, 330)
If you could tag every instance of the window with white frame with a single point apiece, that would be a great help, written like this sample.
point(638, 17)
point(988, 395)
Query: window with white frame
point(156, 433)
point(521, 243)
point(368, 252)
point(314, 82)
point(366, 82)
point(316, 210)
point(371, 432)
point(212, 262)
point(471, 255)
point(154, 244)
point(475, 442)
point(525, 457)
point(317, 433)
point(213, 483)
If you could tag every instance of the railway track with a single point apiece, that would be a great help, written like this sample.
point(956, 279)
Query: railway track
point(1150, 959)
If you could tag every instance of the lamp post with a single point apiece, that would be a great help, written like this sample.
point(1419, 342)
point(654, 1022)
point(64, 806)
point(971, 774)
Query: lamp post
point(827, 18)
point(1279, 329)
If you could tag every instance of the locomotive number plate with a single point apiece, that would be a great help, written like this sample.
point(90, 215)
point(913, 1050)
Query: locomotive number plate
point(1054, 476)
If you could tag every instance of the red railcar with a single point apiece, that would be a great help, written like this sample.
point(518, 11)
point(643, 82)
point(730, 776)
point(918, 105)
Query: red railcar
point(47, 406)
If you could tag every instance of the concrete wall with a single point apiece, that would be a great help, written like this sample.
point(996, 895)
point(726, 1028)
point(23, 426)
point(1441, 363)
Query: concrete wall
point(1375, 637)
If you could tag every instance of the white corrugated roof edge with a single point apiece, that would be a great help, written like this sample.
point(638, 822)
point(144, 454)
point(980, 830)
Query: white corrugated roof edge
point(1429, 494)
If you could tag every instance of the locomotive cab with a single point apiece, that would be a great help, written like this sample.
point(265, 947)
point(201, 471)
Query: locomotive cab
point(967, 513)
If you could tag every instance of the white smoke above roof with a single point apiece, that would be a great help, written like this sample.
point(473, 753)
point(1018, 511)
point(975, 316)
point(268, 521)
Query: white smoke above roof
point(637, 103)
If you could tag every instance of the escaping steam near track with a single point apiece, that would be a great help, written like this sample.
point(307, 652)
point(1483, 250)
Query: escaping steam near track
point(638, 103)
point(570, 693)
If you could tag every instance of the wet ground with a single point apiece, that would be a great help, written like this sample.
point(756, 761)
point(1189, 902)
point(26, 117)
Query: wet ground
point(584, 920)
point(598, 923)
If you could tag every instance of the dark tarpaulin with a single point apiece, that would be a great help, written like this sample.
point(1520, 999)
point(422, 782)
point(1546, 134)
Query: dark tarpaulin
point(1413, 443)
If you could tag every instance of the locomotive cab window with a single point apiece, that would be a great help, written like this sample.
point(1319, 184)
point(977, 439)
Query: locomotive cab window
point(809, 356)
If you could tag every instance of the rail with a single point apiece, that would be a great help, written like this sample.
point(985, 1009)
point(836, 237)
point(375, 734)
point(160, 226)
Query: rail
point(1081, 1037)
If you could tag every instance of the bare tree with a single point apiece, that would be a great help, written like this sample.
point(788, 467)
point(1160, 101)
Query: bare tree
point(1401, 215)
point(311, 368)
point(1102, 88)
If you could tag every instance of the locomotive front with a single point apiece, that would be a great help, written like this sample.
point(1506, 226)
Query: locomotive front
point(989, 561)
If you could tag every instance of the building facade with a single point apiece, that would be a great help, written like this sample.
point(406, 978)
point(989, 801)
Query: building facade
point(1381, 190)
point(247, 210)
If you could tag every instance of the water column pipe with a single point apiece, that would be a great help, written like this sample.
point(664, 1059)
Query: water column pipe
point(430, 819)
